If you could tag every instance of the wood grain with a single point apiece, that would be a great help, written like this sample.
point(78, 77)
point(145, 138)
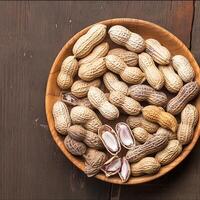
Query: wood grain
point(32, 33)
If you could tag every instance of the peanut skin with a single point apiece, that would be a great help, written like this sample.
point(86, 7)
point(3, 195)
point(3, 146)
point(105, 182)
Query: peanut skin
point(158, 115)
point(98, 99)
point(188, 92)
point(87, 42)
point(86, 117)
point(189, 119)
point(68, 70)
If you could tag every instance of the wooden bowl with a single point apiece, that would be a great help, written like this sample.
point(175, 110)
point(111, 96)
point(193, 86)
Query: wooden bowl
point(146, 30)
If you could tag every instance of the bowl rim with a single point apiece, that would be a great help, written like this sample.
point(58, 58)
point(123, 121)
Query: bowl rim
point(134, 180)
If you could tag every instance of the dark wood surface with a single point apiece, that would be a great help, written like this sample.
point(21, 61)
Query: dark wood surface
point(31, 35)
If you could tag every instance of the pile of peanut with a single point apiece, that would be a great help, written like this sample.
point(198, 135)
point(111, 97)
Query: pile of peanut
point(127, 80)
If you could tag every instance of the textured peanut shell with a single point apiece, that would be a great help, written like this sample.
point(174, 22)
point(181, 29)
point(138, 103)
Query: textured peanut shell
point(86, 117)
point(67, 72)
point(148, 165)
point(93, 70)
point(80, 88)
point(98, 99)
point(153, 75)
point(182, 65)
point(91, 139)
point(132, 75)
point(172, 135)
point(139, 121)
point(122, 36)
point(173, 82)
point(112, 83)
point(74, 147)
point(169, 153)
point(151, 146)
point(159, 53)
point(61, 117)
point(129, 105)
point(189, 119)
point(87, 42)
point(129, 57)
point(142, 92)
point(99, 51)
point(157, 115)
point(141, 135)
point(188, 92)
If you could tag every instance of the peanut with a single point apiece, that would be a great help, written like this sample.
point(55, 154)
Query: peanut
point(132, 75)
point(183, 68)
point(87, 42)
point(68, 70)
point(172, 135)
point(141, 135)
point(158, 115)
point(122, 36)
point(189, 119)
point(112, 83)
point(98, 99)
point(173, 82)
point(188, 92)
point(80, 88)
point(151, 146)
point(148, 165)
point(129, 57)
point(61, 117)
point(129, 105)
point(159, 53)
point(169, 153)
point(142, 92)
point(86, 117)
point(139, 121)
point(99, 51)
point(90, 138)
point(93, 70)
point(153, 75)
point(74, 147)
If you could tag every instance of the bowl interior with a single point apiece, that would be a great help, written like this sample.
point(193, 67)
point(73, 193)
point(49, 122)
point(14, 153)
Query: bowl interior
point(146, 30)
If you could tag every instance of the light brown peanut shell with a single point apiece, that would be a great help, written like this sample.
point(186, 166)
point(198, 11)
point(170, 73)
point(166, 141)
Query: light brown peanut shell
point(74, 147)
point(80, 88)
point(147, 165)
point(183, 67)
point(173, 82)
point(61, 117)
point(112, 83)
point(141, 135)
point(87, 42)
point(93, 70)
point(129, 105)
point(67, 72)
point(132, 75)
point(188, 92)
point(189, 119)
point(139, 121)
point(153, 75)
point(158, 115)
point(159, 53)
point(169, 153)
point(151, 146)
point(86, 117)
point(129, 57)
point(142, 92)
point(99, 51)
point(122, 36)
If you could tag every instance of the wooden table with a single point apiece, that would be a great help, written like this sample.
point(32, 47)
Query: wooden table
point(31, 35)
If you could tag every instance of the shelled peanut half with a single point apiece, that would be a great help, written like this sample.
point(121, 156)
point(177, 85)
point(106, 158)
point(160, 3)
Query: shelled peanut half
point(99, 84)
